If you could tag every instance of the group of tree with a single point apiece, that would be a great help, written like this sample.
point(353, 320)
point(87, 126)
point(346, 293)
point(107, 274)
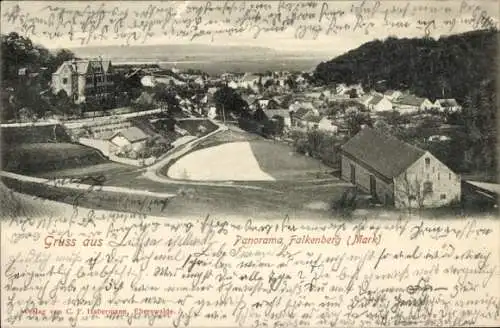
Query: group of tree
point(24, 93)
point(228, 100)
point(318, 144)
point(20, 52)
point(335, 108)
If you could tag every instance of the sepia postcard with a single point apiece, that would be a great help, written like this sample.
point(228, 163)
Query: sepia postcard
point(253, 164)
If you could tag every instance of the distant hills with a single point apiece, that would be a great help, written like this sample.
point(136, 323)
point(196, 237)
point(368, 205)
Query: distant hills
point(174, 52)
point(448, 67)
point(213, 59)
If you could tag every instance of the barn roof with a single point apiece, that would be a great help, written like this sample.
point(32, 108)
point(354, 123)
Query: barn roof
point(385, 154)
point(376, 99)
point(410, 100)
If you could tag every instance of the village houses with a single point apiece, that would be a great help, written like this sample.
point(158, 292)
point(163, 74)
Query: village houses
point(397, 173)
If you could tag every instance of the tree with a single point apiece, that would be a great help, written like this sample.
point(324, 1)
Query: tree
point(61, 102)
point(342, 107)
point(411, 192)
point(165, 95)
point(20, 52)
point(353, 93)
point(355, 120)
point(60, 57)
point(259, 115)
point(17, 52)
point(382, 126)
point(279, 125)
point(228, 100)
point(291, 83)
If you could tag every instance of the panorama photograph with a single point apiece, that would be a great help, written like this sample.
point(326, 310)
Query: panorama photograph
point(294, 120)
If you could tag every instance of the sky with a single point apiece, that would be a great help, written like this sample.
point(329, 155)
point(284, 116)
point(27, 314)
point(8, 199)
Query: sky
point(318, 27)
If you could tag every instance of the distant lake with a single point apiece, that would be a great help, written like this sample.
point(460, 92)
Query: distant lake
point(233, 65)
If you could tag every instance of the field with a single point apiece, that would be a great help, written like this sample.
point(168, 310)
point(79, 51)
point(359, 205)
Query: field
point(227, 162)
point(236, 155)
point(283, 163)
point(257, 160)
point(57, 160)
point(14, 135)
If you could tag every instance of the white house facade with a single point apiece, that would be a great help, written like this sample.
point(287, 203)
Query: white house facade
point(427, 183)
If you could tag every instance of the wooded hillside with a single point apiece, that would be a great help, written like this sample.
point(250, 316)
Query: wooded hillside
point(445, 68)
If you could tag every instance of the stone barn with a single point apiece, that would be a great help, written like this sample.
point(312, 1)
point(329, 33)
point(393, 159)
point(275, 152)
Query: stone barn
point(396, 173)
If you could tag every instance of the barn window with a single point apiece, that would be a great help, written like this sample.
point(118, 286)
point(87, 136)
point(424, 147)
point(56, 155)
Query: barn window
point(443, 196)
point(65, 80)
point(428, 187)
point(427, 162)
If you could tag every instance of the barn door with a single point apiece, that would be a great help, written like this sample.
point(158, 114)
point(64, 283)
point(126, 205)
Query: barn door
point(353, 174)
point(373, 187)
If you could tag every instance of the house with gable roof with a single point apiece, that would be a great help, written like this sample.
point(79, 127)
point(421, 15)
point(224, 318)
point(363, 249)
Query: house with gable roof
point(409, 103)
point(379, 103)
point(376, 102)
point(132, 137)
point(248, 81)
point(85, 80)
point(392, 94)
point(397, 173)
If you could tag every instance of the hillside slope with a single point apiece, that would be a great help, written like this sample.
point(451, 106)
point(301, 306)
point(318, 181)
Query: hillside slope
point(448, 67)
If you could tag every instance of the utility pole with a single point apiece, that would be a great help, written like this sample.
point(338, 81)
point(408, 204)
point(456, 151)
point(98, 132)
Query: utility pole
point(223, 115)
